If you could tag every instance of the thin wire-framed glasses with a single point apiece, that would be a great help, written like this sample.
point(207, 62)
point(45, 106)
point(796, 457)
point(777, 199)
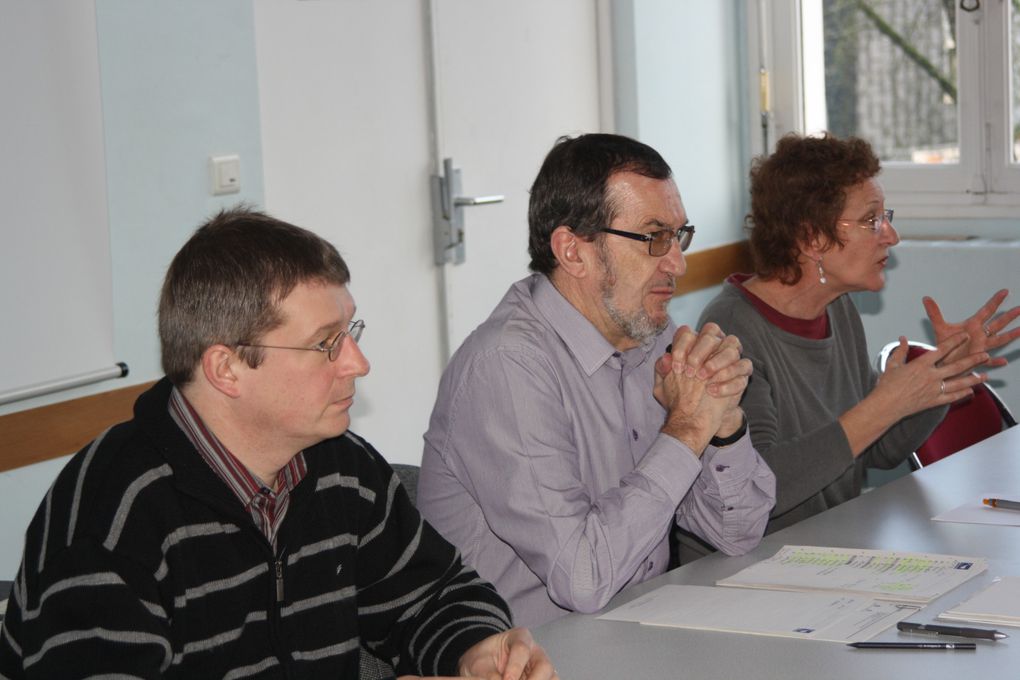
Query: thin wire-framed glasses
point(330, 348)
point(659, 242)
point(872, 224)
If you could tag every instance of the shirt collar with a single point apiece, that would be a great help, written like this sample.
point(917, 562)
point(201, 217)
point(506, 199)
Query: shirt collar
point(582, 338)
point(225, 464)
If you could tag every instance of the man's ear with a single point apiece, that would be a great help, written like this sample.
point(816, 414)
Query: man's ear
point(218, 367)
point(572, 252)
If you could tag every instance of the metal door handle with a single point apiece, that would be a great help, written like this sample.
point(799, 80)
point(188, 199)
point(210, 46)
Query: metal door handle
point(479, 200)
point(448, 214)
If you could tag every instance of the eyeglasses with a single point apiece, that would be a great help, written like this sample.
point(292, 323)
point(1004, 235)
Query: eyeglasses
point(330, 349)
point(659, 242)
point(872, 224)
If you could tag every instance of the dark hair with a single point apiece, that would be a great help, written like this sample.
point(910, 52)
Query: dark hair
point(225, 285)
point(571, 188)
point(798, 193)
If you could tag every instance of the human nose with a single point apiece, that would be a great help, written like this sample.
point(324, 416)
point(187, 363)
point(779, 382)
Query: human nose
point(888, 233)
point(352, 361)
point(673, 261)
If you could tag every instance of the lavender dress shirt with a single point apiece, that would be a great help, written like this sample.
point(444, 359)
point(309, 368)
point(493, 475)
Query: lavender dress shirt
point(544, 462)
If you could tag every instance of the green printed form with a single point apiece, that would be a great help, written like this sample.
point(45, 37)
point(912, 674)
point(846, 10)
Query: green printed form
point(897, 576)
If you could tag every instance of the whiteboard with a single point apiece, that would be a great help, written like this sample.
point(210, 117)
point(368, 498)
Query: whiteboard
point(55, 274)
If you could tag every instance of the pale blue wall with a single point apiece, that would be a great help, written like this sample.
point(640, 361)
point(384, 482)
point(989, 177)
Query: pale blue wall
point(179, 84)
point(680, 89)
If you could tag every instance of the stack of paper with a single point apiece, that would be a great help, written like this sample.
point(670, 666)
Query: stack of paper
point(807, 616)
point(996, 605)
point(884, 574)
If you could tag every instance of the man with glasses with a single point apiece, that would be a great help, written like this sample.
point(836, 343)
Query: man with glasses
point(235, 527)
point(577, 425)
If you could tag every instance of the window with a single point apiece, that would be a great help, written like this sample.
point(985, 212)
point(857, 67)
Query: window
point(934, 85)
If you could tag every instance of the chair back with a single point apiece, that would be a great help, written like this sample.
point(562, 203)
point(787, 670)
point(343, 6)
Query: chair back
point(967, 422)
point(408, 475)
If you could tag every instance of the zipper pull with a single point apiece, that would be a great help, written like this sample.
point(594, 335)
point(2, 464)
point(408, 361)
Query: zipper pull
point(279, 581)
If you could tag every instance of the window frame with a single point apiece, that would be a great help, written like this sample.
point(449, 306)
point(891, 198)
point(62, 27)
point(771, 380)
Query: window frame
point(986, 181)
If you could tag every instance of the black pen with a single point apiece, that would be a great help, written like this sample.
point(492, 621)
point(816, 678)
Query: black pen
point(913, 645)
point(978, 633)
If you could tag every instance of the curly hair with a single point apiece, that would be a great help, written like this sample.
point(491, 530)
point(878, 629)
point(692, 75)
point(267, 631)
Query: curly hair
point(798, 193)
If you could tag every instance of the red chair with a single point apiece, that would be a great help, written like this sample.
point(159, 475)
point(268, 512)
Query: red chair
point(967, 422)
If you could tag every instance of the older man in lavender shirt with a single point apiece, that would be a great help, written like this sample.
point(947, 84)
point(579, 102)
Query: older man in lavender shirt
point(577, 424)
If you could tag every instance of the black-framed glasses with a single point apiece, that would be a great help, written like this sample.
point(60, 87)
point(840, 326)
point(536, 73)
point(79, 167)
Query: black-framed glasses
point(659, 242)
point(331, 348)
point(872, 224)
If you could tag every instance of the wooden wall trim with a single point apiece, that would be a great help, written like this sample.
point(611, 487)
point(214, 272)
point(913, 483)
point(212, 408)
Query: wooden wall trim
point(38, 434)
point(707, 268)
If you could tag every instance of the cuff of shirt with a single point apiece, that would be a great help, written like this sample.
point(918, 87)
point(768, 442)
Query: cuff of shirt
point(728, 468)
point(672, 465)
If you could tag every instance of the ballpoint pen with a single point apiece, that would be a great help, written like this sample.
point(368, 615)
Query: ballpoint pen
point(913, 645)
point(958, 631)
point(1001, 503)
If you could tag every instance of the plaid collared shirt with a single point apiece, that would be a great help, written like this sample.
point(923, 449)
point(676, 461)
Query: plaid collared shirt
point(266, 506)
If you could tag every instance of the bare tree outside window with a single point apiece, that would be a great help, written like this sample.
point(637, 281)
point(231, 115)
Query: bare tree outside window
point(891, 76)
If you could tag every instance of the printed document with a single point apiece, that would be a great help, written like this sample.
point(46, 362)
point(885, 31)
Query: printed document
point(884, 574)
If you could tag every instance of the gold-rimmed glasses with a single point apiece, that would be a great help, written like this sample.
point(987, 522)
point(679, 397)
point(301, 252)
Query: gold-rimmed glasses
point(331, 348)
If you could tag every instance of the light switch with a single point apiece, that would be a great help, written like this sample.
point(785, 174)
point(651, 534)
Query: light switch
point(225, 172)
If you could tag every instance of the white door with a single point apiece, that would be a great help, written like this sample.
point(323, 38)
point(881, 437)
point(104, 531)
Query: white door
point(509, 78)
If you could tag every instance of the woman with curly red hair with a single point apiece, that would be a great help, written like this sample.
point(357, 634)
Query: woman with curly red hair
point(817, 410)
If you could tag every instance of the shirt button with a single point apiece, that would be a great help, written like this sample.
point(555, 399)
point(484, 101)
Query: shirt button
point(635, 434)
point(651, 565)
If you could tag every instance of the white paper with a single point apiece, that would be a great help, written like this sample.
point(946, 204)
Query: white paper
point(832, 617)
point(998, 604)
point(976, 512)
point(884, 574)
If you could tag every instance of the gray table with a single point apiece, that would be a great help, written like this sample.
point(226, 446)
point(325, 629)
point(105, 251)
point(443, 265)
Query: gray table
point(896, 516)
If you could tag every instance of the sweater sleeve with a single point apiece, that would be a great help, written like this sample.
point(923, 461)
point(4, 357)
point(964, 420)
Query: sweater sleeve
point(418, 604)
point(84, 612)
point(905, 436)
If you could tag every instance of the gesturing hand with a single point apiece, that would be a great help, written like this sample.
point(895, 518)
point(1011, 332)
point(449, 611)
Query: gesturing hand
point(932, 379)
point(984, 330)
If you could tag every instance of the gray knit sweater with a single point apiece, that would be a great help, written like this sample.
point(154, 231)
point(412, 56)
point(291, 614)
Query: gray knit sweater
point(799, 389)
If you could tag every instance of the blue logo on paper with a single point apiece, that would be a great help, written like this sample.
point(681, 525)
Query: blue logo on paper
point(803, 630)
point(964, 565)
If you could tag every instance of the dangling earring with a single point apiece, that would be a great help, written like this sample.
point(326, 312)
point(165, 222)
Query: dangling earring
point(821, 272)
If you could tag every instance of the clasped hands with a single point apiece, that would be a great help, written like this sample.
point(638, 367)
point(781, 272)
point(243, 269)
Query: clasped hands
point(700, 383)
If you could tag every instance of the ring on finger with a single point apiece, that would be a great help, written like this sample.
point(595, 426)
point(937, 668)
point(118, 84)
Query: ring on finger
point(942, 387)
point(987, 330)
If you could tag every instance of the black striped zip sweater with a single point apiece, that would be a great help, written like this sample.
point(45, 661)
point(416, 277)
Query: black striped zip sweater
point(141, 562)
